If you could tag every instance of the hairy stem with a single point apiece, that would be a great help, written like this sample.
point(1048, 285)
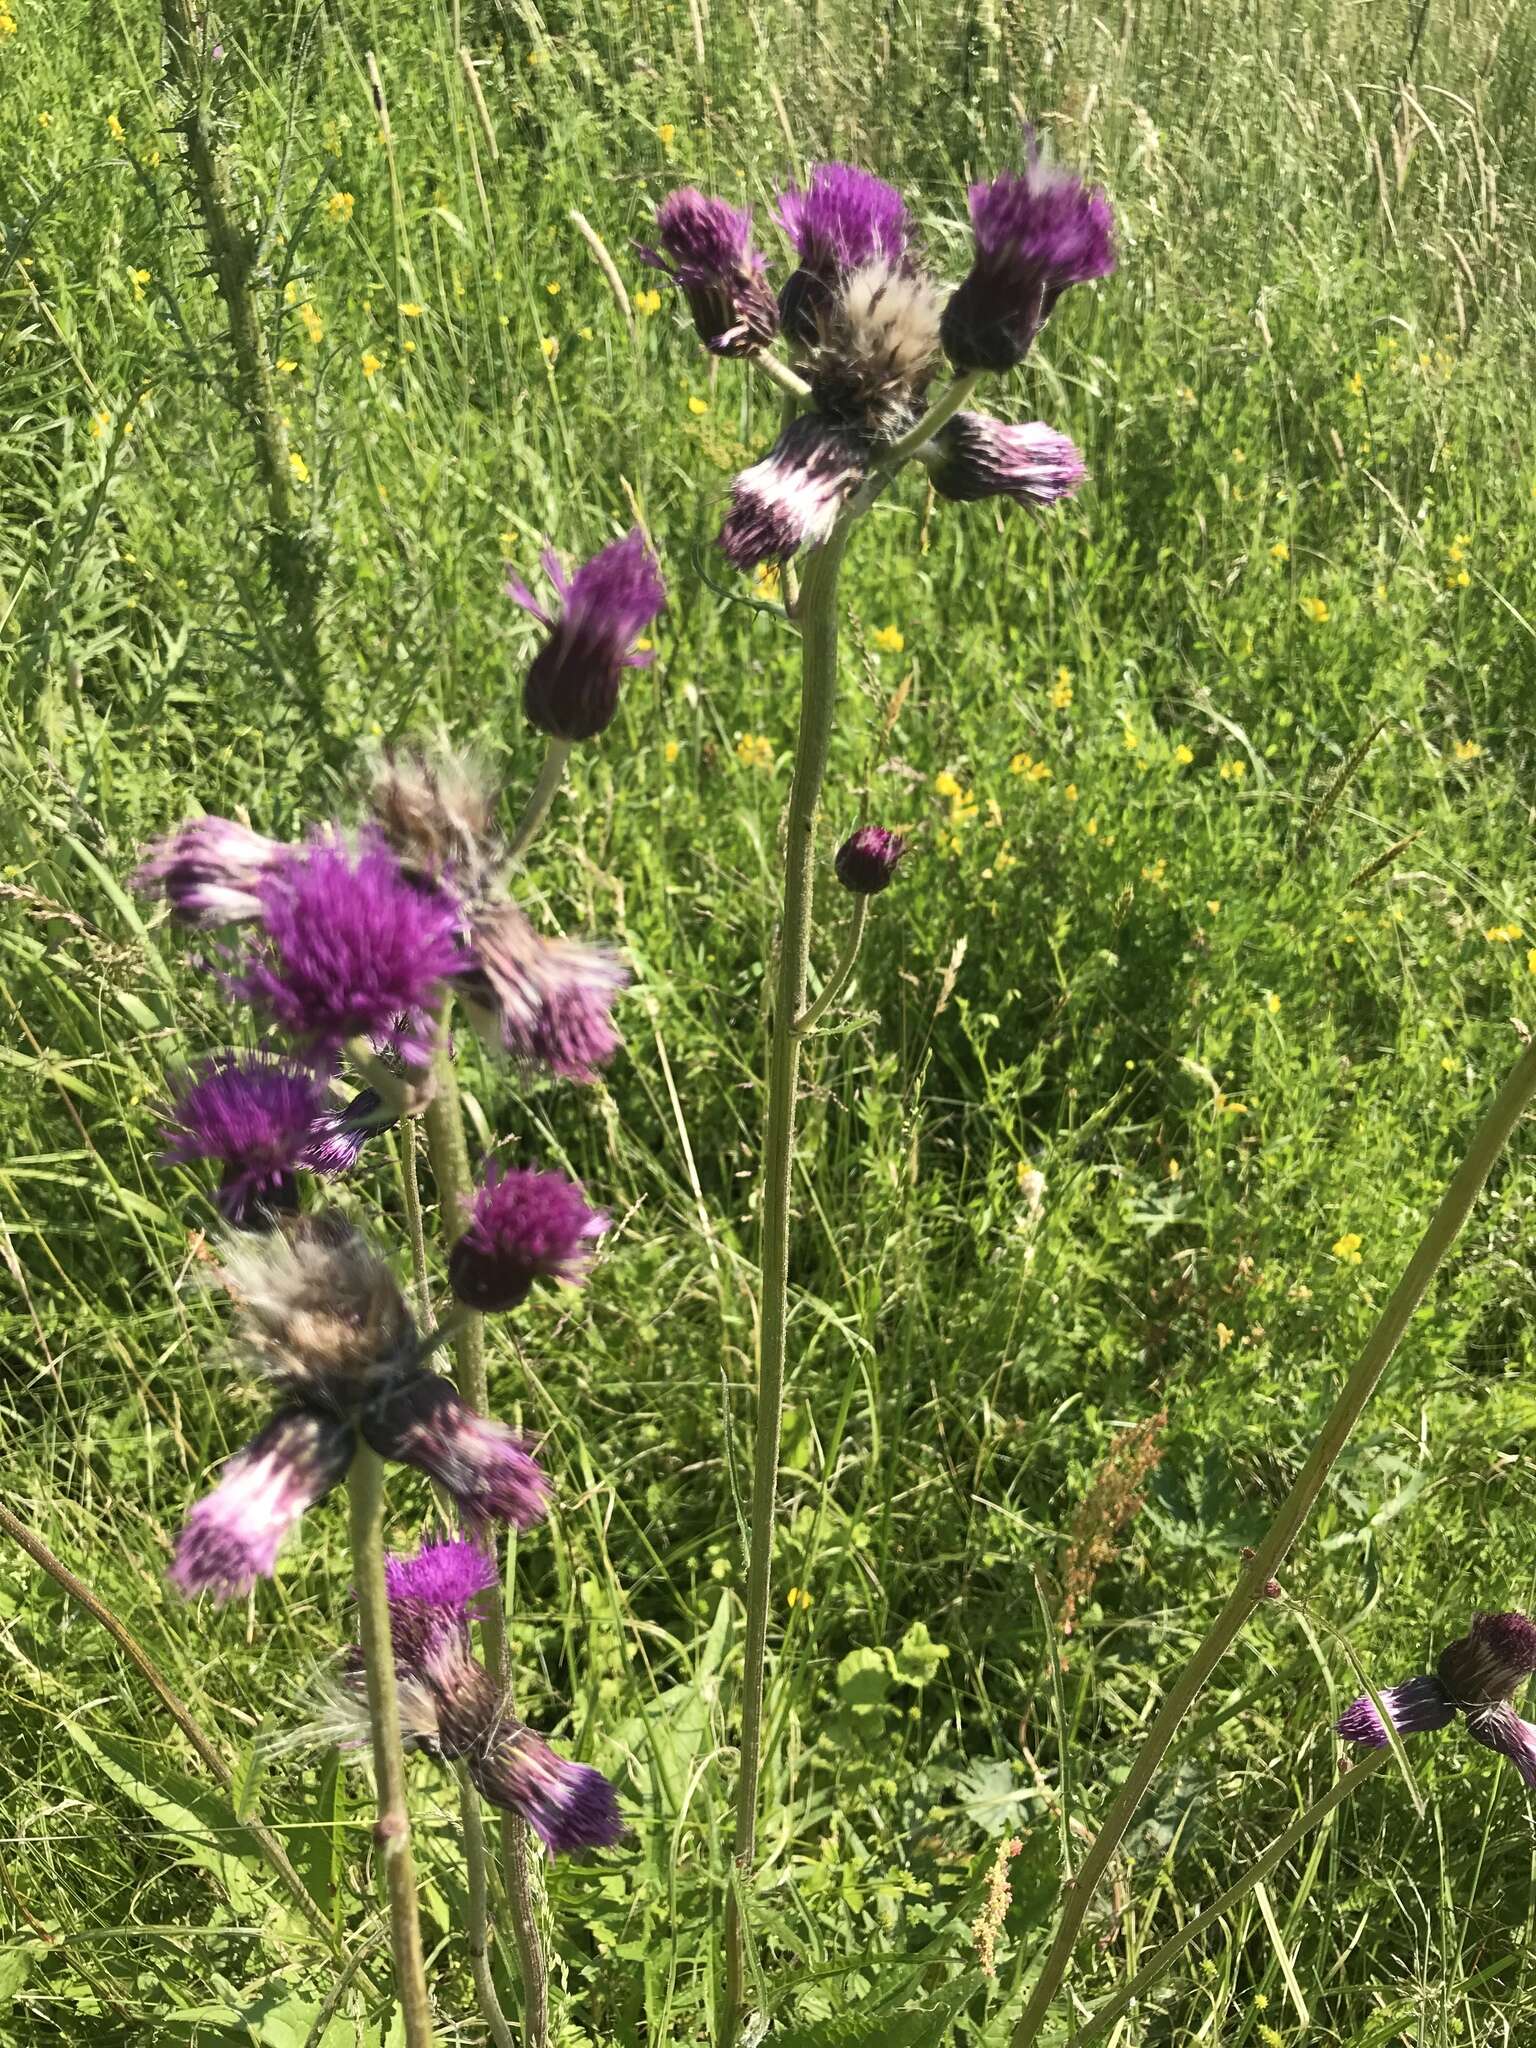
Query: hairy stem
point(392, 1829)
point(1122, 2000)
point(841, 974)
point(275, 1855)
point(543, 795)
point(450, 1169)
point(818, 619)
point(477, 1875)
point(1455, 1206)
point(410, 1190)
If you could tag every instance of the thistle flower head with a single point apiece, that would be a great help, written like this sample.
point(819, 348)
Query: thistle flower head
point(842, 219)
point(444, 1577)
point(1037, 231)
point(1476, 1676)
point(254, 1115)
point(572, 690)
point(231, 1537)
point(209, 872)
point(437, 812)
point(524, 1225)
point(321, 1314)
point(875, 349)
point(547, 1000)
point(335, 1140)
point(791, 499)
point(484, 1468)
point(1491, 1661)
point(973, 456)
point(709, 244)
point(351, 947)
point(569, 1806)
point(867, 859)
point(1415, 1705)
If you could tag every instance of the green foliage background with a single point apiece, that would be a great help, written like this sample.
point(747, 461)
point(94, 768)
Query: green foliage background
point(1230, 1040)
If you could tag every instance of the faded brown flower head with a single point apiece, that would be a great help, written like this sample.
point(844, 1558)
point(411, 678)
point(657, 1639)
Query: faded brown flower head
point(320, 1313)
point(988, 1924)
point(1113, 1499)
point(879, 342)
point(437, 810)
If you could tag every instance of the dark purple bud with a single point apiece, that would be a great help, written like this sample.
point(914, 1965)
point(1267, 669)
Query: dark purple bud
point(1500, 1728)
point(720, 274)
point(523, 1226)
point(973, 457)
point(843, 219)
point(210, 872)
point(1414, 1706)
point(253, 1115)
point(791, 499)
point(1037, 231)
point(569, 1806)
point(231, 1537)
point(352, 948)
point(548, 1001)
point(486, 1470)
point(867, 859)
point(572, 689)
point(1491, 1661)
point(335, 1139)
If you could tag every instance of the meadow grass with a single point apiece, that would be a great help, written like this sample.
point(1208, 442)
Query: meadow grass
point(1239, 1032)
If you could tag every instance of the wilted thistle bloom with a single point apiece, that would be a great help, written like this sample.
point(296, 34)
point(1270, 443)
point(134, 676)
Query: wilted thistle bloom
point(1477, 1677)
point(843, 219)
point(867, 859)
point(437, 811)
point(324, 1322)
point(547, 1001)
point(209, 872)
point(791, 499)
point(255, 1116)
point(568, 1805)
point(720, 274)
point(875, 351)
point(973, 456)
point(1037, 231)
point(352, 947)
point(572, 689)
point(334, 1142)
point(524, 1225)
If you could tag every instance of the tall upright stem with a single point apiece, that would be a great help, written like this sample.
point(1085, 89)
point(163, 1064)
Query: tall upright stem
point(817, 615)
point(477, 1879)
point(444, 1118)
point(1455, 1206)
point(551, 774)
point(392, 1829)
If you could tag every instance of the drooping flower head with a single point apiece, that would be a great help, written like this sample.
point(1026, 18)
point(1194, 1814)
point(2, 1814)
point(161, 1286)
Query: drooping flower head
point(209, 872)
point(231, 1537)
point(486, 1470)
point(548, 1001)
point(841, 220)
point(335, 1140)
point(437, 811)
point(973, 456)
point(352, 947)
point(572, 690)
point(569, 1806)
point(1477, 1676)
point(1037, 231)
point(254, 1115)
point(524, 1225)
point(867, 859)
point(791, 499)
point(876, 348)
point(709, 243)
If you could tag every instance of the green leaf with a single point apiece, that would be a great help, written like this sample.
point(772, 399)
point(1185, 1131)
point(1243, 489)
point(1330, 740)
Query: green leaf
point(910, 2026)
point(918, 1656)
point(864, 1679)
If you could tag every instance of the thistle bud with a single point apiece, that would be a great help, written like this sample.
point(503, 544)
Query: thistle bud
point(523, 1226)
point(974, 457)
point(254, 1116)
point(231, 1537)
point(843, 219)
point(719, 273)
point(572, 690)
point(791, 499)
point(209, 872)
point(867, 859)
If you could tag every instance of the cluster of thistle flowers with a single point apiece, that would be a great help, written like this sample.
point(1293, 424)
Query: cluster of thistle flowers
point(1475, 1677)
point(868, 327)
point(350, 945)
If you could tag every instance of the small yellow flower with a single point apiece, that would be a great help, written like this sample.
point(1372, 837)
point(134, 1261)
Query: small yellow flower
point(1183, 754)
point(99, 424)
point(1061, 689)
point(585, 333)
point(766, 581)
point(945, 784)
point(644, 646)
point(371, 364)
point(1315, 609)
point(753, 751)
point(1272, 1003)
point(1224, 1336)
point(1175, 1171)
point(299, 467)
point(1503, 934)
point(409, 310)
point(889, 639)
point(549, 345)
point(338, 208)
point(1129, 738)
point(1232, 771)
point(698, 406)
point(7, 25)
point(314, 326)
point(1092, 828)
point(138, 278)
point(1530, 961)
point(1460, 581)
point(1447, 1064)
point(286, 365)
point(1457, 551)
point(115, 128)
point(797, 1596)
point(1280, 551)
point(535, 59)
point(1226, 1106)
point(553, 288)
point(1467, 750)
point(290, 293)
point(1238, 455)
point(151, 159)
point(1070, 792)
point(671, 751)
point(1357, 384)
point(408, 347)
point(1346, 1249)
point(45, 120)
point(1213, 905)
point(666, 134)
point(648, 302)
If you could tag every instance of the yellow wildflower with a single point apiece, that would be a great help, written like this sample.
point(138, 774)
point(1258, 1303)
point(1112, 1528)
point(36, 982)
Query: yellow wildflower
point(299, 467)
point(1503, 934)
point(797, 1596)
point(1315, 609)
point(314, 326)
point(45, 120)
point(1272, 1003)
point(753, 751)
point(286, 365)
point(553, 288)
point(535, 58)
point(1467, 750)
point(1129, 738)
point(1357, 384)
point(1281, 551)
point(99, 424)
point(1175, 1171)
point(409, 310)
point(585, 333)
point(1224, 1336)
point(766, 581)
point(666, 134)
point(1232, 771)
point(644, 646)
point(1460, 581)
point(1346, 1249)
point(1183, 754)
point(1238, 455)
point(671, 751)
point(1530, 961)
point(1061, 690)
point(1070, 792)
point(1457, 551)
point(371, 364)
point(115, 128)
point(549, 345)
point(409, 347)
point(889, 639)
point(648, 302)
point(140, 278)
point(698, 407)
point(7, 24)
point(339, 207)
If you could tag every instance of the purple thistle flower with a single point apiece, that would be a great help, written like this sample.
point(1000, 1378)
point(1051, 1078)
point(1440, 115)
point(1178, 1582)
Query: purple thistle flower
point(867, 859)
point(210, 871)
point(231, 1537)
point(1477, 1676)
point(1500, 1728)
point(1490, 1662)
point(572, 689)
point(569, 1806)
point(253, 1115)
point(443, 1577)
point(334, 1141)
point(352, 948)
point(843, 219)
point(478, 1462)
point(548, 1000)
point(1414, 1706)
point(791, 498)
point(717, 269)
point(523, 1226)
point(973, 456)
point(1037, 231)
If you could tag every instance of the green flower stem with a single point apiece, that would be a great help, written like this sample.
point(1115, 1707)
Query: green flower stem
point(944, 407)
point(477, 1874)
point(410, 1191)
point(392, 1830)
point(818, 619)
point(778, 372)
point(839, 978)
point(1455, 1206)
point(449, 1153)
point(1122, 2001)
point(543, 795)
